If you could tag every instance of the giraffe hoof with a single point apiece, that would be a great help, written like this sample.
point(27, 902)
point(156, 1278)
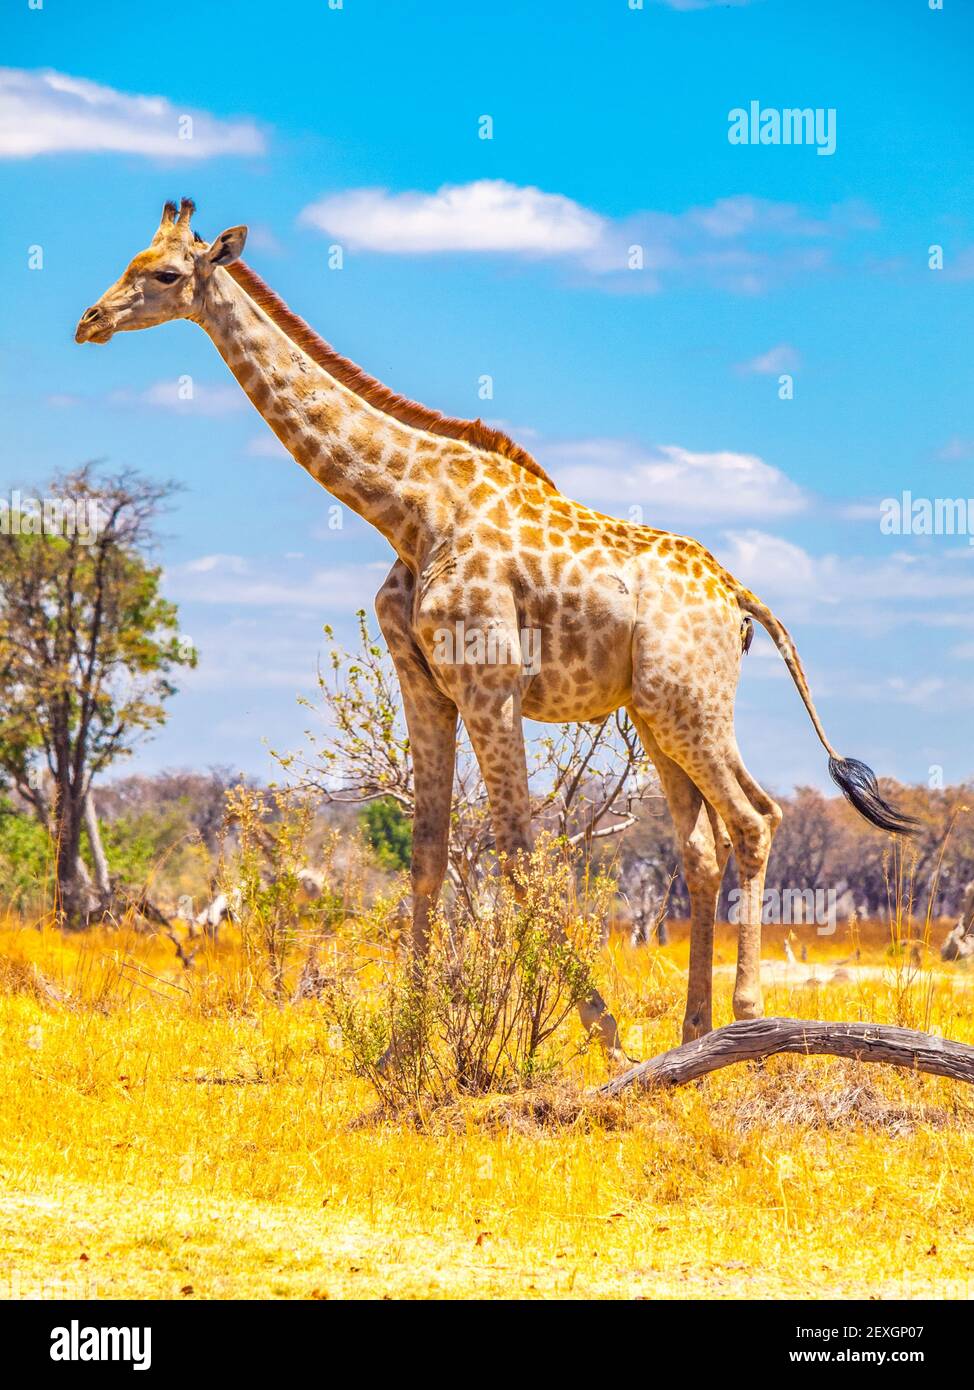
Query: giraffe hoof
point(617, 1058)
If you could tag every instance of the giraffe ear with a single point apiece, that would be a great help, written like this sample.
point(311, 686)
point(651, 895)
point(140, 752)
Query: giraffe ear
point(228, 246)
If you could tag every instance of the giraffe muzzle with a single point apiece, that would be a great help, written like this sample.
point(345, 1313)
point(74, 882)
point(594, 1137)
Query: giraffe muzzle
point(93, 327)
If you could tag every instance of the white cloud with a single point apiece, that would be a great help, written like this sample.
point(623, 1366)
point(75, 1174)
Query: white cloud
point(957, 450)
point(849, 590)
point(961, 267)
point(512, 428)
point(261, 238)
point(860, 511)
point(488, 215)
point(772, 565)
point(782, 358)
point(875, 609)
point(174, 395)
point(732, 217)
point(672, 480)
point(206, 564)
point(739, 243)
point(686, 5)
point(267, 446)
point(235, 580)
point(246, 655)
point(47, 112)
point(926, 692)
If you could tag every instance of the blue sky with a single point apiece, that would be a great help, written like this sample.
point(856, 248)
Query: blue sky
point(655, 388)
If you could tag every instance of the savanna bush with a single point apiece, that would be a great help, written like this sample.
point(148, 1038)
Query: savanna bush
point(484, 1009)
point(26, 860)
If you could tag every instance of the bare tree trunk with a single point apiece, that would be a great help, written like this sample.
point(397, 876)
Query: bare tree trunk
point(75, 896)
point(72, 892)
point(754, 1039)
point(103, 884)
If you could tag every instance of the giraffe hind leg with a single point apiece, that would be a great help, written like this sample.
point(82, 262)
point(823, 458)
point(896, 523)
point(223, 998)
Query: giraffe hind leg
point(705, 848)
point(701, 741)
point(751, 817)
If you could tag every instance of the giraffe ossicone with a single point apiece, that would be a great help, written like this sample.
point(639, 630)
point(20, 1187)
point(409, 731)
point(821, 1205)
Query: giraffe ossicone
point(625, 616)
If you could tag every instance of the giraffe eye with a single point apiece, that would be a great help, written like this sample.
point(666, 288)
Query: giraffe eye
point(167, 277)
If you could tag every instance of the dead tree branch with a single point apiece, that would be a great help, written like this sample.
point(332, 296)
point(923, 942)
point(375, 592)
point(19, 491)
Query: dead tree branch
point(755, 1039)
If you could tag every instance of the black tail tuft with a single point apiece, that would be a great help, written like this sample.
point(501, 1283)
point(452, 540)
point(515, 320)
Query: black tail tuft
point(858, 784)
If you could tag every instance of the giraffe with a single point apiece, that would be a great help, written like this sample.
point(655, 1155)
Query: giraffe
point(628, 616)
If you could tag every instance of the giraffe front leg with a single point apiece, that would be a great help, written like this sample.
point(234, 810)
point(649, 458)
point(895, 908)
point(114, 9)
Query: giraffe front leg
point(491, 711)
point(432, 728)
point(432, 742)
point(431, 720)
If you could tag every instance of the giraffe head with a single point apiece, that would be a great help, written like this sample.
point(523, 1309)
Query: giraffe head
point(166, 281)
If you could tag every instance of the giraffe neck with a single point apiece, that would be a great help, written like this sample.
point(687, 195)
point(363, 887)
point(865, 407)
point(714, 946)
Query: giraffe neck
point(355, 451)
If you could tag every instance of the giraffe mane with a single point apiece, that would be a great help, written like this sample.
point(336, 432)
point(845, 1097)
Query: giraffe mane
point(369, 388)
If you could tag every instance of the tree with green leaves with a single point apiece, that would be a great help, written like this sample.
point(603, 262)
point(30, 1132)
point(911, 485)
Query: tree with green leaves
point(389, 831)
point(87, 647)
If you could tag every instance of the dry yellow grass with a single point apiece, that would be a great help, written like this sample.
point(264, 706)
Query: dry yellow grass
point(161, 1143)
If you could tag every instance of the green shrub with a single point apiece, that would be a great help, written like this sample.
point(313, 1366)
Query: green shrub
point(26, 859)
point(389, 831)
point(487, 1008)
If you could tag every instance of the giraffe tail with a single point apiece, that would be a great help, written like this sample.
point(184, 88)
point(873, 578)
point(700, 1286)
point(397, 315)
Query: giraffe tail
point(855, 780)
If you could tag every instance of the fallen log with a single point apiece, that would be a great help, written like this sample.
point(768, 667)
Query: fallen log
point(754, 1039)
